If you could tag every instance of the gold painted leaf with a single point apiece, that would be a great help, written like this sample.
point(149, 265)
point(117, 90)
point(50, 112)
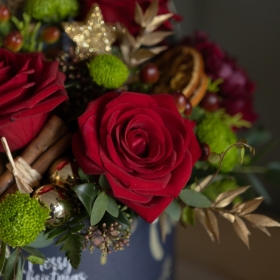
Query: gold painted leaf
point(151, 39)
point(263, 229)
point(202, 218)
point(251, 205)
point(141, 55)
point(225, 198)
point(201, 185)
point(213, 224)
point(229, 217)
point(139, 16)
point(157, 50)
point(157, 21)
point(151, 12)
point(241, 230)
point(261, 220)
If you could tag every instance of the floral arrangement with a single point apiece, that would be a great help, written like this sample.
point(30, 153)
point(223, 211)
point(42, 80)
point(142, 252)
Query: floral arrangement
point(103, 120)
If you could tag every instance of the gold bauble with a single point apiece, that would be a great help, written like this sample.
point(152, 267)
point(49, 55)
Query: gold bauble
point(57, 198)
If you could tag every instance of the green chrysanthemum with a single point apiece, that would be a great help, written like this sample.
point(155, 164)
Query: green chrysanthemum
point(218, 135)
point(108, 71)
point(21, 219)
point(52, 10)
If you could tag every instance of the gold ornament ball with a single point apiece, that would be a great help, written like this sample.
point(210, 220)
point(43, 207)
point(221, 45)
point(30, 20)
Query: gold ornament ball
point(57, 198)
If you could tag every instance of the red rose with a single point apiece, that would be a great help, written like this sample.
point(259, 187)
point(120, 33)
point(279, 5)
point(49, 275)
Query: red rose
point(122, 11)
point(143, 146)
point(30, 87)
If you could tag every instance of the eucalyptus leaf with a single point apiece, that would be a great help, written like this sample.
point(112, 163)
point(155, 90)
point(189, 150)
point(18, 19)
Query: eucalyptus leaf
point(174, 210)
point(9, 270)
point(194, 199)
point(99, 208)
point(86, 193)
point(103, 182)
point(2, 255)
point(34, 251)
point(112, 207)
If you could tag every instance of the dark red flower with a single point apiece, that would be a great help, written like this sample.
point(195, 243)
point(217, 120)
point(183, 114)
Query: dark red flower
point(122, 11)
point(143, 146)
point(30, 88)
point(236, 89)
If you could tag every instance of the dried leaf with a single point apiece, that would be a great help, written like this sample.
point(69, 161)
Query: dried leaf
point(213, 224)
point(261, 220)
point(157, 21)
point(151, 12)
point(151, 39)
point(139, 16)
point(229, 217)
point(202, 218)
point(225, 198)
point(251, 205)
point(241, 230)
point(201, 185)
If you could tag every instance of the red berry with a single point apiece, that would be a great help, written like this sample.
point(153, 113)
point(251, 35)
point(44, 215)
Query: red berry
point(205, 151)
point(188, 108)
point(13, 41)
point(180, 101)
point(149, 73)
point(210, 101)
point(50, 34)
point(4, 13)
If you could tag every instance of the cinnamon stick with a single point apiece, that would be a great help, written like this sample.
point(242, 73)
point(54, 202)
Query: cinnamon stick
point(53, 130)
point(45, 160)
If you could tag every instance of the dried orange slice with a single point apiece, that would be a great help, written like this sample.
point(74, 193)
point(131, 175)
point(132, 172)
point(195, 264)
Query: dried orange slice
point(200, 91)
point(181, 68)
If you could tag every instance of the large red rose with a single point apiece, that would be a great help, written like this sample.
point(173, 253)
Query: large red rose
point(30, 87)
point(143, 146)
point(122, 11)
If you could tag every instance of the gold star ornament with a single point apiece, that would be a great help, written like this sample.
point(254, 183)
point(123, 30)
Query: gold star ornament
point(92, 36)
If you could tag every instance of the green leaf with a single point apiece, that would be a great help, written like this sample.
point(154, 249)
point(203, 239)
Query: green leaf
point(2, 255)
point(74, 245)
point(103, 182)
point(174, 210)
point(56, 231)
point(99, 208)
point(242, 153)
point(86, 193)
point(188, 216)
point(61, 239)
point(34, 252)
point(194, 199)
point(78, 219)
point(35, 260)
point(77, 228)
point(112, 207)
point(19, 275)
point(86, 178)
point(121, 220)
point(9, 270)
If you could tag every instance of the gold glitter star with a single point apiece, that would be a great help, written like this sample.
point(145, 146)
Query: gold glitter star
point(93, 35)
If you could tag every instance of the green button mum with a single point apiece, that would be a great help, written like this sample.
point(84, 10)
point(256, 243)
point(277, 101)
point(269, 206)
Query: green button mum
point(108, 71)
point(218, 135)
point(21, 219)
point(52, 10)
